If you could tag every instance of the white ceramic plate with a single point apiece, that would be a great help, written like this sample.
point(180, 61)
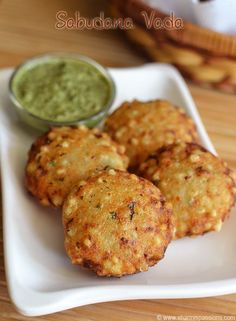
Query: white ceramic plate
point(41, 278)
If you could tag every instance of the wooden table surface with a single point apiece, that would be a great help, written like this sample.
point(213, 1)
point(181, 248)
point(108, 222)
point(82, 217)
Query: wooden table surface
point(27, 27)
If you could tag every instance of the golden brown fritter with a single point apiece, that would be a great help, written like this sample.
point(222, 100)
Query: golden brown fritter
point(66, 155)
point(143, 127)
point(198, 184)
point(116, 223)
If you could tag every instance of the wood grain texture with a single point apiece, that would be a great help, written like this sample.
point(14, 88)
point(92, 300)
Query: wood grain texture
point(26, 29)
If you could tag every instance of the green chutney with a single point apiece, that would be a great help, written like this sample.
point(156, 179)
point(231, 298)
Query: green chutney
point(61, 89)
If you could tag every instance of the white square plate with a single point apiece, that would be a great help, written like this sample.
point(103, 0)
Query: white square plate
point(41, 278)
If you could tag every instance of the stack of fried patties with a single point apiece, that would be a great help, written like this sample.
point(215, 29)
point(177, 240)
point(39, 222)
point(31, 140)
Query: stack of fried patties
point(118, 222)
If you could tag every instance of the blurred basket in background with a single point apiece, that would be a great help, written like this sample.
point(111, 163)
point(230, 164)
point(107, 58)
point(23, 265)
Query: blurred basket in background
point(206, 57)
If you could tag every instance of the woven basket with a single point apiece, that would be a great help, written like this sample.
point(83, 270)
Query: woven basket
point(208, 58)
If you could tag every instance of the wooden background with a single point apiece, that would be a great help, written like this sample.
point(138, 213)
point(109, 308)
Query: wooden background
point(26, 29)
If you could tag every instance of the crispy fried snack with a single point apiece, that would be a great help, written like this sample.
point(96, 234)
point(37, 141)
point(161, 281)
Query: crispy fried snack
point(64, 156)
point(198, 184)
point(116, 224)
point(143, 127)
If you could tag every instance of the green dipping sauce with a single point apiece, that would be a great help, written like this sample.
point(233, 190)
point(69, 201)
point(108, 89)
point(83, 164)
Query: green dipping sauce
point(61, 89)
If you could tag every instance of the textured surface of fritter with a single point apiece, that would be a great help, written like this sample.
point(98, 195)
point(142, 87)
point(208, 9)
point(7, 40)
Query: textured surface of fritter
point(64, 156)
point(199, 186)
point(143, 127)
point(116, 224)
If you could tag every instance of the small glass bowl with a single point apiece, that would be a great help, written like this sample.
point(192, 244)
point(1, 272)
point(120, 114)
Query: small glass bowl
point(44, 124)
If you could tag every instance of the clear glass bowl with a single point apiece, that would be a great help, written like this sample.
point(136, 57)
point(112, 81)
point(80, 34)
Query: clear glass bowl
point(44, 124)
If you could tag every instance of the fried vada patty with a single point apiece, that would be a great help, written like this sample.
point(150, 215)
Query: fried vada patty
point(198, 184)
point(143, 127)
point(63, 156)
point(116, 224)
